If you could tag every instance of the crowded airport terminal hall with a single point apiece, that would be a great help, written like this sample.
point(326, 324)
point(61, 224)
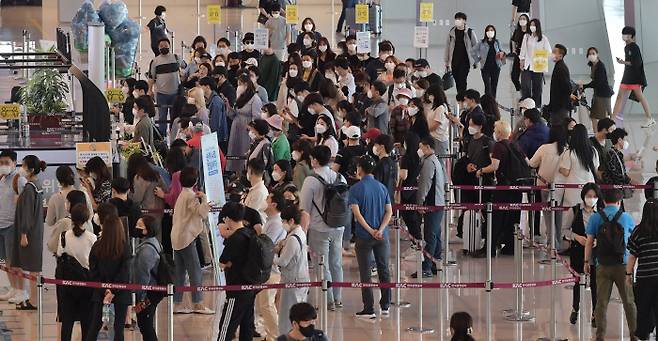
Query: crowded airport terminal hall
point(315, 170)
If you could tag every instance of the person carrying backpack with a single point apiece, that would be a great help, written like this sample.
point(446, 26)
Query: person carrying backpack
point(509, 165)
point(324, 195)
point(611, 228)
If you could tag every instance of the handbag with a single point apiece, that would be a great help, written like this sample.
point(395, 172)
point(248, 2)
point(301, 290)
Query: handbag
point(262, 18)
point(448, 80)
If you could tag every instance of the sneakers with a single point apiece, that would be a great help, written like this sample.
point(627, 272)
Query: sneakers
point(338, 304)
point(373, 272)
point(331, 307)
point(25, 305)
point(199, 308)
point(385, 313)
point(573, 318)
point(425, 274)
point(366, 315)
point(19, 297)
point(649, 123)
point(179, 308)
point(9, 294)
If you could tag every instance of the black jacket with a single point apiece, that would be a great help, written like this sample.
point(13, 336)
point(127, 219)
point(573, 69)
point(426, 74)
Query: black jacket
point(599, 81)
point(560, 87)
point(110, 271)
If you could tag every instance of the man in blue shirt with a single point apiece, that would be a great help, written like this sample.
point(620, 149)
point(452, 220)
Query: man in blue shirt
point(371, 206)
point(609, 270)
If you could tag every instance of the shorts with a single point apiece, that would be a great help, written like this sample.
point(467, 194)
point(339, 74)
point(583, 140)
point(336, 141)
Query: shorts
point(601, 108)
point(6, 243)
point(630, 86)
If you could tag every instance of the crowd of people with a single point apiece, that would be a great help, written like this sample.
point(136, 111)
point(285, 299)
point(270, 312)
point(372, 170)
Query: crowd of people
point(314, 141)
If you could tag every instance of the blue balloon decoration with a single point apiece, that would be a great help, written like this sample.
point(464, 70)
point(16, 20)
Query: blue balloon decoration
point(124, 40)
point(83, 17)
point(113, 13)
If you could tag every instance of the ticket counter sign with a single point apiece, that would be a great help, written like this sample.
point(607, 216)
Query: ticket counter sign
point(362, 14)
point(214, 14)
point(10, 111)
point(292, 16)
point(426, 12)
point(115, 95)
point(87, 150)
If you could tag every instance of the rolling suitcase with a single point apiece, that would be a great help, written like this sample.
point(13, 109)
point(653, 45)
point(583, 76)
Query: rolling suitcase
point(472, 240)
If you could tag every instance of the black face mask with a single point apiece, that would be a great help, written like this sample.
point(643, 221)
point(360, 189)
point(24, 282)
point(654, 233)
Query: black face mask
point(235, 67)
point(307, 331)
point(164, 50)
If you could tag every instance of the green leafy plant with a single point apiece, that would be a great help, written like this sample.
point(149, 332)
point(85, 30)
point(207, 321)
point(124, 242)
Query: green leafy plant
point(45, 93)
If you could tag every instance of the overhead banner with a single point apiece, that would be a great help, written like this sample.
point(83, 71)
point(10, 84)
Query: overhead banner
point(214, 14)
point(87, 150)
point(362, 14)
point(426, 12)
point(421, 37)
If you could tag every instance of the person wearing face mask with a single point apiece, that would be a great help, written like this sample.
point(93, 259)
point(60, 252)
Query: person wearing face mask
point(390, 65)
point(158, 28)
point(144, 125)
point(535, 134)
point(574, 222)
point(96, 179)
point(233, 68)
point(279, 32)
point(460, 51)
point(601, 107)
point(634, 79)
point(261, 146)
point(516, 41)
point(601, 142)
point(247, 109)
point(309, 72)
point(27, 253)
point(386, 170)
point(348, 155)
point(128, 89)
point(281, 177)
point(472, 107)
point(398, 83)
point(223, 47)
point(325, 134)
point(478, 155)
point(561, 87)
point(399, 123)
point(312, 108)
point(224, 88)
point(192, 68)
point(325, 54)
point(532, 65)
point(430, 192)
point(308, 26)
point(615, 169)
point(308, 43)
point(164, 81)
point(377, 66)
point(248, 50)
point(302, 317)
point(301, 154)
point(280, 144)
point(424, 71)
point(491, 58)
point(378, 114)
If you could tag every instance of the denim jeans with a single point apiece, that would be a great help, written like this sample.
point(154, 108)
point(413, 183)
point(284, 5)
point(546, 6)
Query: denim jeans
point(329, 245)
point(432, 237)
point(165, 103)
point(606, 275)
point(365, 248)
point(186, 261)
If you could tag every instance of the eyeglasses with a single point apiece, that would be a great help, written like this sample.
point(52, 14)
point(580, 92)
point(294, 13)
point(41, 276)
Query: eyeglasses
point(249, 42)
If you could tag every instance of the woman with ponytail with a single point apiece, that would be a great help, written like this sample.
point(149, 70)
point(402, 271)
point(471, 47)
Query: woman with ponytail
point(461, 324)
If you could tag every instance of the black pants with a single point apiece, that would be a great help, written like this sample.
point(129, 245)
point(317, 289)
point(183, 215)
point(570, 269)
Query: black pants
point(646, 301)
point(516, 73)
point(146, 319)
point(577, 257)
point(504, 220)
point(490, 79)
point(460, 73)
point(412, 220)
point(67, 326)
point(341, 19)
point(96, 323)
point(238, 311)
point(532, 85)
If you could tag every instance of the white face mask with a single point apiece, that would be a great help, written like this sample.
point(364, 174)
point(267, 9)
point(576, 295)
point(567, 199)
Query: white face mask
point(591, 202)
point(96, 219)
point(296, 155)
point(4, 170)
point(307, 64)
point(322, 48)
point(420, 93)
point(473, 130)
point(351, 47)
point(276, 176)
point(292, 73)
point(311, 111)
point(308, 42)
point(626, 145)
point(240, 90)
point(248, 46)
point(224, 51)
point(593, 58)
point(491, 34)
point(264, 115)
point(136, 112)
point(276, 15)
point(252, 135)
point(191, 100)
point(308, 27)
point(22, 172)
point(135, 94)
point(523, 22)
point(163, 15)
point(369, 94)
point(320, 129)
point(420, 153)
point(459, 23)
point(400, 85)
point(421, 74)
point(413, 111)
point(197, 60)
point(125, 90)
point(403, 101)
point(375, 150)
point(533, 29)
point(626, 37)
point(389, 66)
point(218, 64)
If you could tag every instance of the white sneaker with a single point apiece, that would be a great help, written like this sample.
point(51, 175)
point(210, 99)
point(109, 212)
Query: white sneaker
point(412, 256)
point(373, 272)
point(181, 309)
point(203, 310)
point(11, 293)
point(18, 297)
point(649, 123)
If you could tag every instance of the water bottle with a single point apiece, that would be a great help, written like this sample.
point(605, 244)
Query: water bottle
point(107, 314)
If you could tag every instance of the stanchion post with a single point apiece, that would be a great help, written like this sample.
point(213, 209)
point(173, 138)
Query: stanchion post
point(581, 315)
point(170, 312)
point(323, 297)
point(398, 300)
point(518, 314)
point(489, 283)
point(40, 308)
point(419, 276)
point(446, 228)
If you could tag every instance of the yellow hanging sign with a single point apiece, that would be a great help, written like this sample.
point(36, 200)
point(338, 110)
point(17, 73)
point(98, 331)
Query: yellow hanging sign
point(291, 15)
point(10, 111)
point(115, 95)
point(540, 60)
point(362, 14)
point(426, 12)
point(214, 14)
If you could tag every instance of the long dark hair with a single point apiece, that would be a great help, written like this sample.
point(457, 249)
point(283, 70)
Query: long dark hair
point(79, 216)
point(485, 38)
point(411, 141)
point(135, 162)
point(519, 29)
point(439, 96)
point(303, 146)
point(537, 23)
point(248, 93)
point(331, 131)
point(461, 323)
point(112, 242)
point(580, 144)
point(97, 166)
point(146, 172)
point(558, 135)
point(648, 227)
point(590, 186)
point(490, 106)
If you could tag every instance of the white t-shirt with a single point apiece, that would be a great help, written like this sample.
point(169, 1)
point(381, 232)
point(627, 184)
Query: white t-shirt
point(438, 115)
point(528, 47)
point(332, 143)
point(547, 159)
point(577, 175)
point(77, 247)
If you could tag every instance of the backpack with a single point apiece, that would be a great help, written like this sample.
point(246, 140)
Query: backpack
point(516, 168)
point(336, 209)
point(166, 267)
point(68, 268)
point(610, 242)
point(260, 258)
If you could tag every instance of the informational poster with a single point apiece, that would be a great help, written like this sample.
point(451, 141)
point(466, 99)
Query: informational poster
point(10, 111)
point(115, 95)
point(540, 60)
point(362, 14)
point(214, 14)
point(421, 37)
point(214, 189)
point(261, 38)
point(426, 12)
point(87, 150)
point(291, 15)
point(363, 42)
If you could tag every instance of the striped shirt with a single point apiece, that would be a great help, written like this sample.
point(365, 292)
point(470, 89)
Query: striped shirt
point(646, 251)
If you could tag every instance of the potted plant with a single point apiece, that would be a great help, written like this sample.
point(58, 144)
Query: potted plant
point(45, 93)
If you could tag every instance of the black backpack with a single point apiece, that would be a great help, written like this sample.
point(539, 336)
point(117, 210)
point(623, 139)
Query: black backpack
point(166, 267)
point(336, 211)
point(517, 170)
point(68, 268)
point(260, 258)
point(610, 242)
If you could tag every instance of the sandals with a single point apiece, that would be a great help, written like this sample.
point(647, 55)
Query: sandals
point(25, 305)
